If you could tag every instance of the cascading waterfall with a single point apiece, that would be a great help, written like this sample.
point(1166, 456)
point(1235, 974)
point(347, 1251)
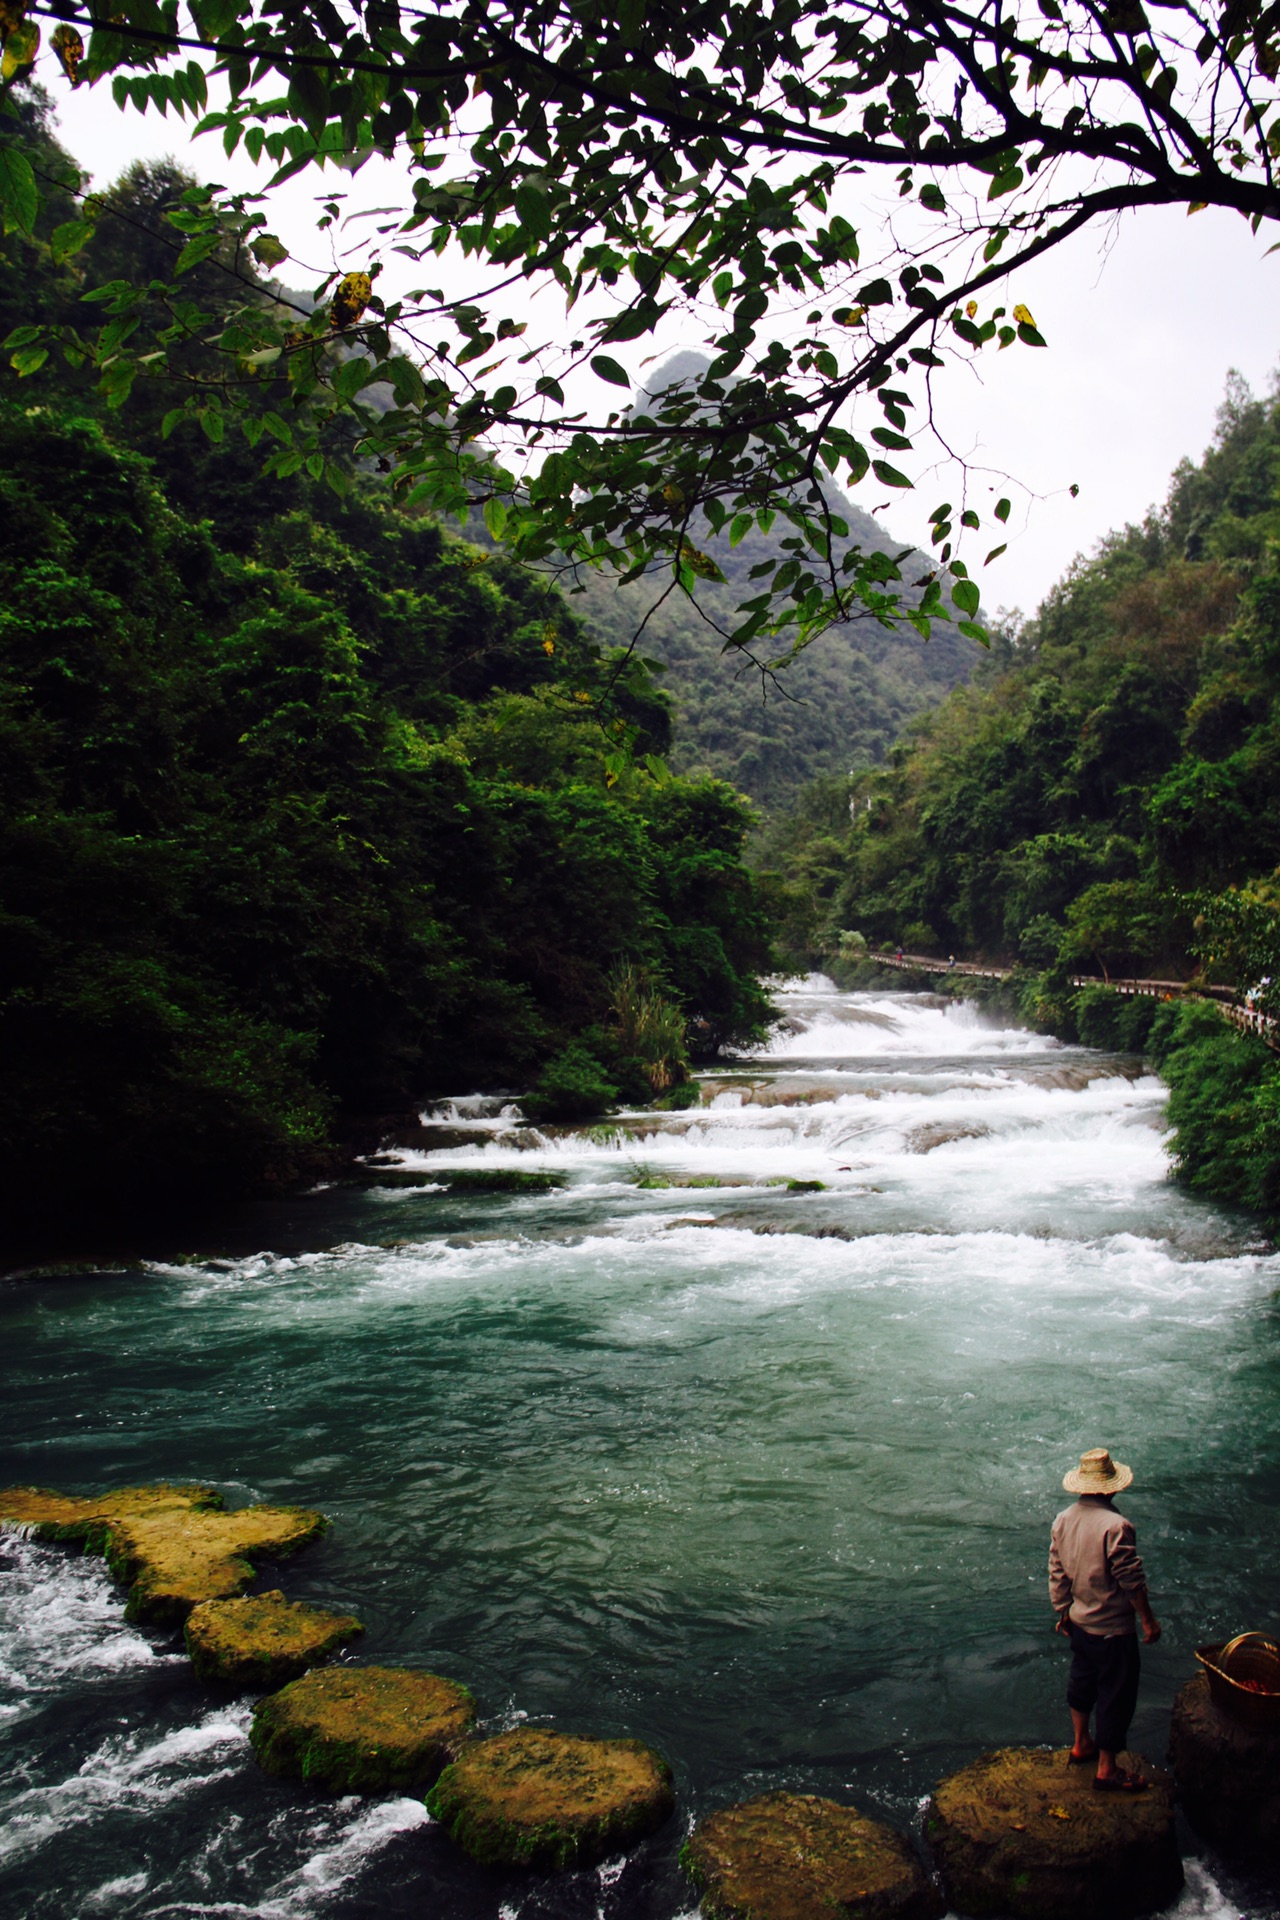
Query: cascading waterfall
point(761, 1473)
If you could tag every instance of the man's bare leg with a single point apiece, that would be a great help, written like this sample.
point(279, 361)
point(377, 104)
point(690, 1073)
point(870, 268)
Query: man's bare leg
point(1082, 1747)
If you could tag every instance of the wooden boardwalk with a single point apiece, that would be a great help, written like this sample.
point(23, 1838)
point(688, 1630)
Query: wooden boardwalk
point(1229, 1005)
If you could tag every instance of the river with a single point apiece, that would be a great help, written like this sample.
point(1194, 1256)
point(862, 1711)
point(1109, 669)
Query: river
point(762, 1476)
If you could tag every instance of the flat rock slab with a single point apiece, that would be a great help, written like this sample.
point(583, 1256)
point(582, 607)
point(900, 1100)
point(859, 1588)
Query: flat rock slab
point(363, 1729)
point(47, 1515)
point(537, 1799)
point(1021, 1832)
point(173, 1547)
point(1228, 1775)
point(263, 1640)
point(792, 1856)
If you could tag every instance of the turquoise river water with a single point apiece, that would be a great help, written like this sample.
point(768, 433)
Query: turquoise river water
point(763, 1477)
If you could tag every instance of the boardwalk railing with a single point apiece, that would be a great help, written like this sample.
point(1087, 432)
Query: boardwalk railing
point(1229, 1005)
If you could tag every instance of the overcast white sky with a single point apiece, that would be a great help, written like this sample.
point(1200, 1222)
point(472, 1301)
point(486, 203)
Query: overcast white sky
point(1143, 323)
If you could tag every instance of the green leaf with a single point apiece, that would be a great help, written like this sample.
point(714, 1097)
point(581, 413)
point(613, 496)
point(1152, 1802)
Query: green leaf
point(969, 518)
point(308, 98)
point(607, 369)
point(534, 209)
point(267, 250)
point(28, 360)
point(965, 595)
point(406, 382)
point(70, 237)
point(973, 632)
point(1030, 337)
point(740, 529)
point(551, 388)
point(889, 476)
point(19, 196)
point(995, 553)
point(932, 197)
point(495, 517)
point(197, 250)
point(722, 287)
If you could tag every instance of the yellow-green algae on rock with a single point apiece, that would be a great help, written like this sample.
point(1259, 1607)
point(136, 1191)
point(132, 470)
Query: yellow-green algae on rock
point(173, 1547)
point(537, 1799)
point(793, 1856)
point(1021, 1832)
point(263, 1640)
point(363, 1729)
point(48, 1515)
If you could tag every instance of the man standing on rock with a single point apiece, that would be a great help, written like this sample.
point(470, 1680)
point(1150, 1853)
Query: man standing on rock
point(1097, 1585)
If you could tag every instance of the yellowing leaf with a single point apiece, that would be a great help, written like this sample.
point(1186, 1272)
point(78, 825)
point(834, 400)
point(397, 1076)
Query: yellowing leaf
point(548, 647)
point(69, 47)
point(350, 301)
point(21, 45)
point(971, 307)
point(1023, 316)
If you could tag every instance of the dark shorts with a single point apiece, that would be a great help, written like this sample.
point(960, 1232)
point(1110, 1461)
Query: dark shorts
point(1104, 1674)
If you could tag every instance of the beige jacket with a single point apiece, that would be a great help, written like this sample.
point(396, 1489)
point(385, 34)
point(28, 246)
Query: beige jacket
point(1094, 1567)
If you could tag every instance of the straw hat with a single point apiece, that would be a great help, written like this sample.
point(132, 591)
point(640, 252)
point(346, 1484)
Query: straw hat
point(1098, 1473)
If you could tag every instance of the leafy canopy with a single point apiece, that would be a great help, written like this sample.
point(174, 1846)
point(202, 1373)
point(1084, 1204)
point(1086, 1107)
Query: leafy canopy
point(658, 163)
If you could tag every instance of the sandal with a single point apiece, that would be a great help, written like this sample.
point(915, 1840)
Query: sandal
point(1121, 1781)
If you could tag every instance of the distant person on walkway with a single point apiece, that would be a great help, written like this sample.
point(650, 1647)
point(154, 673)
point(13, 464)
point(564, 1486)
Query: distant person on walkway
point(1099, 1590)
point(899, 949)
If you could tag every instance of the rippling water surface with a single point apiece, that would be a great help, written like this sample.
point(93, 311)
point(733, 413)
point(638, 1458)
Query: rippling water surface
point(762, 1476)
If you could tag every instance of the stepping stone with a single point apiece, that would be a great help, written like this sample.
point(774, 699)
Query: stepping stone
point(363, 1729)
point(173, 1547)
point(1228, 1775)
point(46, 1515)
point(1021, 1832)
point(537, 1799)
point(263, 1641)
point(792, 1856)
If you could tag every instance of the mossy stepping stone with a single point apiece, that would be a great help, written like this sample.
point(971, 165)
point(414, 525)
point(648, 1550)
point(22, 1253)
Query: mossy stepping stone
point(363, 1729)
point(792, 1856)
point(1021, 1832)
point(264, 1640)
point(47, 1515)
point(1228, 1775)
point(173, 1547)
point(538, 1799)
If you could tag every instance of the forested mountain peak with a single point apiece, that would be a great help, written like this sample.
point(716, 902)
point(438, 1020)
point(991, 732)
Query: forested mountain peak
point(840, 704)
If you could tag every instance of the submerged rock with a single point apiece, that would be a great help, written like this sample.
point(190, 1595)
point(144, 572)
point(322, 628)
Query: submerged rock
point(1228, 1775)
point(363, 1729)
point(537, 1799)
point(793, 1856)
point(173, 1547)
point(263, 1640)
point(1021, 1832)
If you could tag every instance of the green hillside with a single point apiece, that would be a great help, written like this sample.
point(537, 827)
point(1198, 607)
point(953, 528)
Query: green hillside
point(841, 705)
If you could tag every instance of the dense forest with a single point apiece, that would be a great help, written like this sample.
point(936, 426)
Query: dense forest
point(1103, 798)
point(311, 807)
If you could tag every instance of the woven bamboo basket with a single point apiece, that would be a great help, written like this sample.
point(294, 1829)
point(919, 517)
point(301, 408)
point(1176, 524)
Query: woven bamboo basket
point(1244, 1680)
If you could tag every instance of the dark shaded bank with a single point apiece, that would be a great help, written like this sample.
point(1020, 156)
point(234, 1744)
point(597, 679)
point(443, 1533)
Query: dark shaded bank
point(1224, 1085)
